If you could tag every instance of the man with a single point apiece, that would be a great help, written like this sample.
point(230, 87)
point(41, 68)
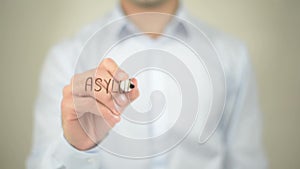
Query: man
point(235, 144)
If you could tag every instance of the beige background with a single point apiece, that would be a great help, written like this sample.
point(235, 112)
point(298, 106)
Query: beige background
point(269, 27)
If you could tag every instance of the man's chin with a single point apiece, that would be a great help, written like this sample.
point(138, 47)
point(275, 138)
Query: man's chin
point(148, 3)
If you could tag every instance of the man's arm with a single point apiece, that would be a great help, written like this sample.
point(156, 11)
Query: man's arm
point(50, 150)
point(244, 132)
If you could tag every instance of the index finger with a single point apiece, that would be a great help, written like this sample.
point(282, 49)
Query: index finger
point(113, 69)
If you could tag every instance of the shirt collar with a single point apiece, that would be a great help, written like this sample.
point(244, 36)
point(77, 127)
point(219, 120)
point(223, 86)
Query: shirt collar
point(176, 27)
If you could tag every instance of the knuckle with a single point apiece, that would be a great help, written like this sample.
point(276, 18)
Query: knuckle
point(66, 90)
point(108, 62)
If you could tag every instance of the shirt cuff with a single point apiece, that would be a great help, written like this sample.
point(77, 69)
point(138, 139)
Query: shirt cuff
point(70, 157)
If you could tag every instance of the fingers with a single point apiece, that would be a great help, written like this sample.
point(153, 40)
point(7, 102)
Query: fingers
point(120, 75)
point(87, 84)
point(109, 65)
point(74, 107)
point(84, 105)
point(89, 105)
point(124, 98)
point(95, 89)
point(100, 82)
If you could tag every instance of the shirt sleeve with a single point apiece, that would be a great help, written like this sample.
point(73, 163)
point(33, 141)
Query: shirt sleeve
point(50, 150)
point(244, 132)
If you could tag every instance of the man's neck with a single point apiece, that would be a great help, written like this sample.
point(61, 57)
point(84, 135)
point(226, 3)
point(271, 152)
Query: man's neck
point(168, 7)
point(150, 19)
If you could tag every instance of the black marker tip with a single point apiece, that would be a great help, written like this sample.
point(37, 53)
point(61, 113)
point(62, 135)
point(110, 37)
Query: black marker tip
point(131, 86)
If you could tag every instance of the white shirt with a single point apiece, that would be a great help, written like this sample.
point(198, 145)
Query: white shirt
point(235, 144)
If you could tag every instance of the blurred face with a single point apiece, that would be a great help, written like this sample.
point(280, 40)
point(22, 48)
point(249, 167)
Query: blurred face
point(148, 3)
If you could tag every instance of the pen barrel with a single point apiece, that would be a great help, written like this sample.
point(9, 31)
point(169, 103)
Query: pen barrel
point(126, 85)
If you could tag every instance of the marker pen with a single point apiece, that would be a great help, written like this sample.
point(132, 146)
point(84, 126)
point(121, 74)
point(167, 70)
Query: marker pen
point(126, 85)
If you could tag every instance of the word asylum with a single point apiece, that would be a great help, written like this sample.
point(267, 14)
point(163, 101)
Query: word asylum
point(109, 85)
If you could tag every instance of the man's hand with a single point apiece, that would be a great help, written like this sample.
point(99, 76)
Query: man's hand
point(88, 115)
